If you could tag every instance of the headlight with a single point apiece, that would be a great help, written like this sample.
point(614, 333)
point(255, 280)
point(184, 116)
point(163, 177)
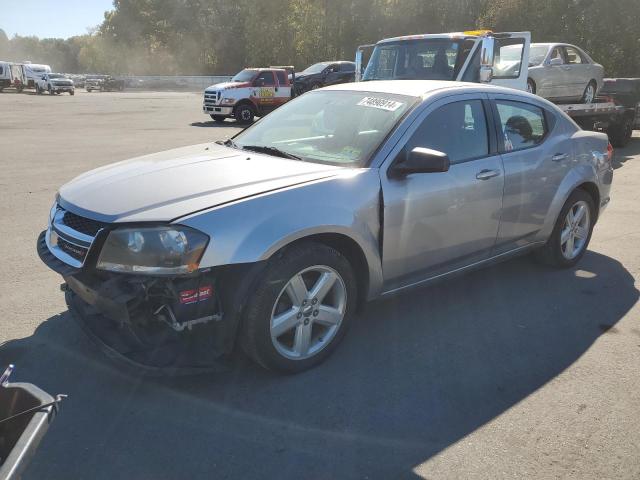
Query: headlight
point(228, 101)
point(169, 250)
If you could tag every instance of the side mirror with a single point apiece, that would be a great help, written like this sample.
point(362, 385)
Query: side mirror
point(487, 52)
point(421, 160)
point(554, 62)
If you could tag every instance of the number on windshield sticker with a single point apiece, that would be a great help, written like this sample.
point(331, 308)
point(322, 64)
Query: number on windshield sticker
point(381, 103)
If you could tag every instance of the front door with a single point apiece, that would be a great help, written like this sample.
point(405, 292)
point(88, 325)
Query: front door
point(437, 222)
point(264, 91)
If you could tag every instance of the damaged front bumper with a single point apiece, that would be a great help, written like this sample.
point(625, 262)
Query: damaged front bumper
point(172, 324)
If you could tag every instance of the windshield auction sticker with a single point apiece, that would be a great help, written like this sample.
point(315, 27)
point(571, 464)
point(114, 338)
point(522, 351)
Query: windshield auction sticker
point(381, 103)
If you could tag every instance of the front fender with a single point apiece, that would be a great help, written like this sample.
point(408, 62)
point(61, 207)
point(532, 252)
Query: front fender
point(252, 230)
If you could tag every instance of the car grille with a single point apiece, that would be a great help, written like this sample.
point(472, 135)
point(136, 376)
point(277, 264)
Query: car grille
point(211, 98)
point(79, 253)
point(70, 236)
point(81, 224)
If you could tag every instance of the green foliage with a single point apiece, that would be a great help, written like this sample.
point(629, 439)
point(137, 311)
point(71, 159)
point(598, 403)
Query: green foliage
point(222, 36)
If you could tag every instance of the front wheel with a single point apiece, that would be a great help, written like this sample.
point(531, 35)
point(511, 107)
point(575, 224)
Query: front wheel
point(244, 114)
point(300, 308)
point(571, 234)
point(218, 118)
point(72, 93)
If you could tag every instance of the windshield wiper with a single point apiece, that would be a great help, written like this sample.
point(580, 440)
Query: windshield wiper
point(270, 151)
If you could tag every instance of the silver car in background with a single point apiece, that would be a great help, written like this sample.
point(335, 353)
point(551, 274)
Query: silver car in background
point(345, 194)
point(563, 73)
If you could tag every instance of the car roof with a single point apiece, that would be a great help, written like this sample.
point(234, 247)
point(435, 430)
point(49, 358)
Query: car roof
point(417, 88)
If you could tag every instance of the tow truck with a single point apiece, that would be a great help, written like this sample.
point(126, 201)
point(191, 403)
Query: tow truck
point(252, 92)
point(471, 56)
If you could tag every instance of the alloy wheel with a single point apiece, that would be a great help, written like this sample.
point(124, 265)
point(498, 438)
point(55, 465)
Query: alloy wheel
point(575, 231)
point(308, 312)
point(589, 94)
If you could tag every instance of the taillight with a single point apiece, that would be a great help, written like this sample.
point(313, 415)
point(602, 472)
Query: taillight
point(610, 152)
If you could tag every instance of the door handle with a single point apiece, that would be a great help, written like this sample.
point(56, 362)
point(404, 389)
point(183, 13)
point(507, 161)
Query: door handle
point(487, 174)
point(558, 157)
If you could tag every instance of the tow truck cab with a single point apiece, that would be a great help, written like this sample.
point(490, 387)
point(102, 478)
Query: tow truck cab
point(471, 56)
point(252, 92)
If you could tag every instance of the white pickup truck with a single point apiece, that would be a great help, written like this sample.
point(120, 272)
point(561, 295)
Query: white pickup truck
point(54, 83)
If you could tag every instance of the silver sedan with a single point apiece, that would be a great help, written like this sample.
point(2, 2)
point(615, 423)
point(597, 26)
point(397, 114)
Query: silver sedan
point(562, 72)
point(342, 195)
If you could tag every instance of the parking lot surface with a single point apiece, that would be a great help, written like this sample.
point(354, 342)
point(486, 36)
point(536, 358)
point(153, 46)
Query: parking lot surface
point(516, 371)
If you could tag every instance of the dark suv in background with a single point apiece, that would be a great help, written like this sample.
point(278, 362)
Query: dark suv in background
point(323, 74)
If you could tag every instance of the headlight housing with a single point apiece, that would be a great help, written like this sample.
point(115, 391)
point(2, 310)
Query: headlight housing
point(164, 250)
point(228, 101)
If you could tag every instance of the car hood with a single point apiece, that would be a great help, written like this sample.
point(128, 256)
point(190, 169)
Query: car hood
point(168, 185)
point(227, 85)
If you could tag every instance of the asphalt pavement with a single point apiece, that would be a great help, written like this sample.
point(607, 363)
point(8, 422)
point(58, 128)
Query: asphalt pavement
point(515, 371)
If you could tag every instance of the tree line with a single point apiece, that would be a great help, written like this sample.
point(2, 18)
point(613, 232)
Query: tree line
point(209, 37)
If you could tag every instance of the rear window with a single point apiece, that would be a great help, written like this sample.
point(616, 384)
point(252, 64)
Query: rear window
point(282, 77)
point(523, 125)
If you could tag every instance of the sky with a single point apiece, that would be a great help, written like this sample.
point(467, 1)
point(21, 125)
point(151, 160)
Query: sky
point(51, 18)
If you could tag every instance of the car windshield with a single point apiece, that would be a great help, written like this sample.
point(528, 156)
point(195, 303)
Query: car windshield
point(537, 54)
point(244, 76)
point(424, 59)
point(331, 127)
point(56, 75)
point(315, 68)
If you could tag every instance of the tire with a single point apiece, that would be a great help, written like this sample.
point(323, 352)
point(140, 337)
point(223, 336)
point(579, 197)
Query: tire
point(284, 350)
point(218, 118)
point(244, 114)
point(315, 86)
point(589, 95)
point(38, 92)
point(620, 134)
point(88, 90)
point(531, 86)
point(49, 90)
point(554, 253)
point(72, 93)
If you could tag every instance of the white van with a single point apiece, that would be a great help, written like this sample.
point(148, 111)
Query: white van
point(33, 72)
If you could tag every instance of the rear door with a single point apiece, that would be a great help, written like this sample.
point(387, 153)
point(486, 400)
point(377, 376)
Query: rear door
point(283, 89)
point(578, 72)
point(536, 153)
point(437, 222)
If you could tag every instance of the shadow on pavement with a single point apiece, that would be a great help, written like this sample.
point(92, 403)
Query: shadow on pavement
point(623, 155)
point(416, 373)
point(214, 124)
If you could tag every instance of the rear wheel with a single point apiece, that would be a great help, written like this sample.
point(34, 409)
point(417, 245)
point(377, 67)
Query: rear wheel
point(620, 134)
point(49, 90)
point(300, 308)
point(244, 113)
point(531, 86)
point(589, 95)
point(571, 234)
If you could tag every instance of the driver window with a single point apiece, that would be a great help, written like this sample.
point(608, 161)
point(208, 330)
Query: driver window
point(458, 129)
point(265, 79)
